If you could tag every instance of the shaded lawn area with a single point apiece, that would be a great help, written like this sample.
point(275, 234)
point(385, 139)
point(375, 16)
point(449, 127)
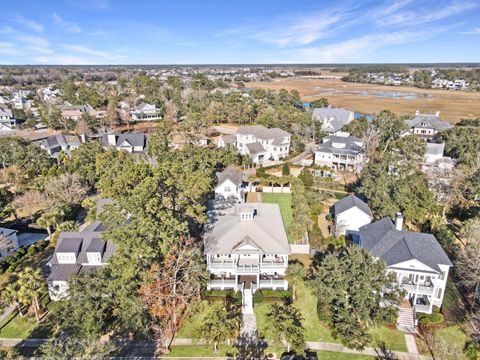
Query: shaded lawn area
point(200, 350)
point(452, 335)
point(191, 325)
point(284, 201)
point(24, 327)
point(316, 330)
point(453, 307)
point(328, 355)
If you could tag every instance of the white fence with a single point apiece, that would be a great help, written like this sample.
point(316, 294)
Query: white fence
point(300, 248)
point(276, 189)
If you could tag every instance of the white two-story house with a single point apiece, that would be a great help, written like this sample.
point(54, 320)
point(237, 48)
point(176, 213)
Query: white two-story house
point(261, 143)
point(77, 253)
point(426, 126)
point(417, 259)
point(350, 214)
point(230, 186)
point(340, 152)
point(6, 117)
point(246, 247)
point(146, 112)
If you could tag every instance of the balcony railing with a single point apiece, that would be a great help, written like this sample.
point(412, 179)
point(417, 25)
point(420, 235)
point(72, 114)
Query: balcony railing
point(273, 263)
point(221, 284)
point(423, 308)
point(248, 268)
point(418, 288)
point(273, 284)
point(223, 263)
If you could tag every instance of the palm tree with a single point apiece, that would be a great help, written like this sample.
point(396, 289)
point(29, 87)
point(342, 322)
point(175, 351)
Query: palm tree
point(10, 296)
point(32, 286)
point(295, 271)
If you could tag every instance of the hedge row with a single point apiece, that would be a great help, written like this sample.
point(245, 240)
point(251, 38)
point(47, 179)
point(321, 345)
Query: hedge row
point(221, 294)
point(267, 294)
point(12, 260)
point(431, 319)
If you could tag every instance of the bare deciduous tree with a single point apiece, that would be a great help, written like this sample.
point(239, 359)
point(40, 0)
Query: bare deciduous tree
point(67, 189)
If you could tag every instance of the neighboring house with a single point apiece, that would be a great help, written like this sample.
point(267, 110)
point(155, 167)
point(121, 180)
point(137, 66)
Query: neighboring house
point(261, 143)
point(8, 241)
point(53, 145)
point(6, 116)
point(340, 152)
point(75, 112)
point(417, 259)
point(426, 126)
point(435, 161)
point(50, 94)
point(77, 253)
point(6, 129)
point(225, 141)
point(350, 214)
point(230, 185)
point(332, 119)
point(434, 152)
point(146, 112)
point(130, 142)
point(246, 248)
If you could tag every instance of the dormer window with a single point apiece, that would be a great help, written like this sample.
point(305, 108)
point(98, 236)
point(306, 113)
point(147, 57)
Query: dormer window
point(66, 258)
point(94, 258)
point(247, 213)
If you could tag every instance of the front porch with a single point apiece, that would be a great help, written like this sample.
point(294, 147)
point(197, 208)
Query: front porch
point(254, 281)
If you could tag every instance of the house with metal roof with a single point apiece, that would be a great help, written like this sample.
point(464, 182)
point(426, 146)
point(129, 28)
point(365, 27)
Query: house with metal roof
point(77, 253)
point(246, 248)
point(350, 214)
point(332, 119)
point(130, 142)
point(340, 152)
point(426, 126)
point(261, 143)
point(417, 259)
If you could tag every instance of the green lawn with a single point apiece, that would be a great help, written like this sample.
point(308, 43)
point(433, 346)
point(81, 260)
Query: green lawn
point(328, 355)
point(191, 326)
point(285, 203)
point(200, 350)
point(23, 327)
point(316, 330)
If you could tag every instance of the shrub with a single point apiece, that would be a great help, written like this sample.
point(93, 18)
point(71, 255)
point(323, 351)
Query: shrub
point(42, 244)
point(329, 217)
point(222, 294)
point(431, 319)
point(286, 169)
point(32, 250)
point(264, 294)
point(258, 297)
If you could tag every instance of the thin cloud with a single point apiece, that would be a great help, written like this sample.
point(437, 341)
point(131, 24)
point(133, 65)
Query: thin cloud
point(34, 41)
point(68, 26)
point(87, 51)
point(31, 24)
point(62, 59)
point(474, 31)
point(7, 48)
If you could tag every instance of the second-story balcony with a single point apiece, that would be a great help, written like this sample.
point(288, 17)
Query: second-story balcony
point(421, 288)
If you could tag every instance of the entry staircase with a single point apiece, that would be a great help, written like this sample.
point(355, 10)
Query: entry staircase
point(406, 318)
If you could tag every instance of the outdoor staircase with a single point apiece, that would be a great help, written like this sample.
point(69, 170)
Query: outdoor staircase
point(406, 319)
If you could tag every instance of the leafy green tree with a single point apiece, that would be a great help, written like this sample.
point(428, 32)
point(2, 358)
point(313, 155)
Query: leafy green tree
point(357, 292)
point(82, 162)
point(285, 322)
point(319, 103)
point(286, 169)
point(78, 348)
point(222, 324)
point(295, 272)
point(6, 198)
point(463, 144)
point(390, 127)
point(10, 295)
point(358, 127)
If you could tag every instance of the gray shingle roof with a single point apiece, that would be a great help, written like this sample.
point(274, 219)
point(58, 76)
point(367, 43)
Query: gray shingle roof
point(255, 148)
point(225, 231)
point(382, 240)
point(349, 202)
point(230, 173)
point(261, 132)
point(134, 139)
point(229, 139)
point(351, 145)
point(428, 121)
point(435, 149)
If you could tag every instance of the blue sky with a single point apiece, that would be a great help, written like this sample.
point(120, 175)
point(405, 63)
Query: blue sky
point(234, 32)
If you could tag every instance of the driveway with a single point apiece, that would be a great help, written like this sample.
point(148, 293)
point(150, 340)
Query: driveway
point(26, 239)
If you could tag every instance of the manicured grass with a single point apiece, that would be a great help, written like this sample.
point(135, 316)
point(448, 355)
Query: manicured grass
point(392, 339)
point(23, 327)
point(454, 334)
point(191, 326)
point(200, 350)
point(316, 330)
point(329, 355)
point(285, 203)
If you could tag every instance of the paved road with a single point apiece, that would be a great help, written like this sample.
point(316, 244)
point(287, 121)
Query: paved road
point(148, 346)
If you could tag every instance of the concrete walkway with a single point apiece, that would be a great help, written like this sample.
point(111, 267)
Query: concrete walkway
point(321, 346)
point(411, 344)
point(7, 312)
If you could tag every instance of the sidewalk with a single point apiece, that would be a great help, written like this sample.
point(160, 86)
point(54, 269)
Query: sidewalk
point(322, 346)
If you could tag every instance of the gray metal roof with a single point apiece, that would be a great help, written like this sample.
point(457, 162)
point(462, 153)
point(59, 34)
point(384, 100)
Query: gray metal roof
point(225, 232)
point(333, 118)
point(69, 243)
point(96, 245)
point(62, 272)
point(349, 202)
point(428, 121)
point(230, 173)
point(382, 240)
point(435, 149)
